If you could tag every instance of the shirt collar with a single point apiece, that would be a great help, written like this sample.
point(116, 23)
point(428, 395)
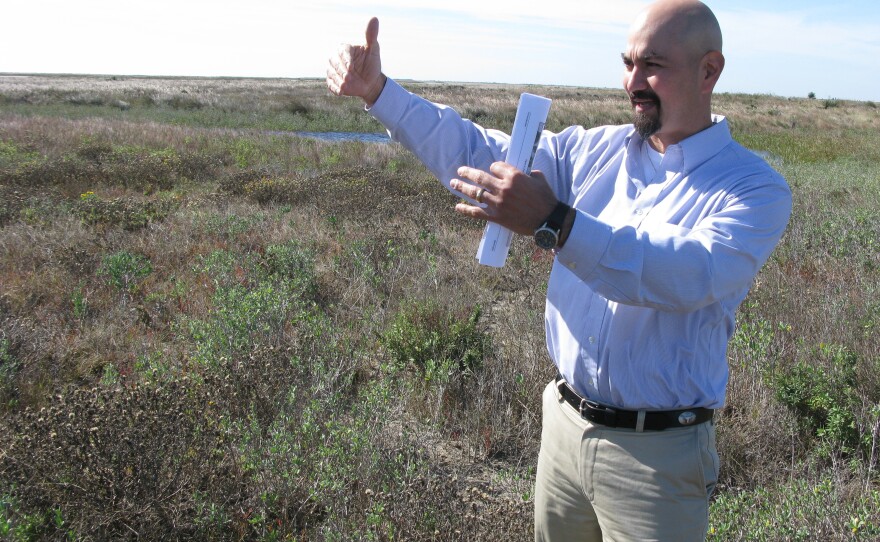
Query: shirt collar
point(697, 148)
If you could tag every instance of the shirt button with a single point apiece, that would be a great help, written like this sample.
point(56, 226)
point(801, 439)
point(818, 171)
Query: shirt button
point(571, 265)
point(592, 340)
point(640, 212)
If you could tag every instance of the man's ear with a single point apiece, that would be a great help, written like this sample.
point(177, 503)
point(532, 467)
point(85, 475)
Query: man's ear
point(710, 70)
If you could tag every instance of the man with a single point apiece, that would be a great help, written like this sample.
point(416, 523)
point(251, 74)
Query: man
point(659, 229)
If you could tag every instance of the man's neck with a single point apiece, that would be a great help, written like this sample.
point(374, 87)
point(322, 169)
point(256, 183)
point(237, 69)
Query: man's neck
point(661, 141)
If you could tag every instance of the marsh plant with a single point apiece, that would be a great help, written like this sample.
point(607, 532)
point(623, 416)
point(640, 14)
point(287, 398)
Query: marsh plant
point(212, 329)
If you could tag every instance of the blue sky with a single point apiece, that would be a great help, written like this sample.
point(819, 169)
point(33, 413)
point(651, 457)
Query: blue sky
point(784, 48)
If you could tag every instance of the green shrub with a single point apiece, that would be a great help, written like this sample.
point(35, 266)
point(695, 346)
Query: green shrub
point(825, 398)
point(243, 317)
point(184, 102)
point(94, 150)
point(219, 266)
point(271, 190)
point(124, 270)
point(296, 107)
point(230, 226)
point(247, 153)
point(435, 341)
point(802, 510)
point(257, 302)
point(132, 214)
point(291, 262)
point(12, 154)
point(831, 102)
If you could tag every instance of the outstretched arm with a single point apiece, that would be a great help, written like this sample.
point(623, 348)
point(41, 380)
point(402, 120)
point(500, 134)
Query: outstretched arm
point(443, 142)
point(357, 69)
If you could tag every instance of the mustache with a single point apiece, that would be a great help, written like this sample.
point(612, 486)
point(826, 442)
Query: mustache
point(644, 95)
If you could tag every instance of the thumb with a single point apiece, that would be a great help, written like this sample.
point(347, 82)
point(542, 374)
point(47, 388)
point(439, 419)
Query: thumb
point(372, 33)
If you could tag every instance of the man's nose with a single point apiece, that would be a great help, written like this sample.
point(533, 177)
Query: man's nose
point(635, 79)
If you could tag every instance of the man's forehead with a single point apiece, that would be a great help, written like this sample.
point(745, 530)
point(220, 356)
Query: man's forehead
point(647, 53)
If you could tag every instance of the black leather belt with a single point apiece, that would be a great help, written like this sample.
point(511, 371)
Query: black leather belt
point(651, 420)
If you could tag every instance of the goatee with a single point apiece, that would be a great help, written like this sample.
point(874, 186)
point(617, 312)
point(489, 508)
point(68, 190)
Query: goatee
point(646, 124)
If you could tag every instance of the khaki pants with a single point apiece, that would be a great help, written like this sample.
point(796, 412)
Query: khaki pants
point(595, 483)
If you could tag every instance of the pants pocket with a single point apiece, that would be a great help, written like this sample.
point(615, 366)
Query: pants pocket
point(709, 457)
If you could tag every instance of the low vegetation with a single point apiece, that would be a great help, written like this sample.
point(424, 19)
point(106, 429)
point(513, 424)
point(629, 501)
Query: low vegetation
point(213, 329)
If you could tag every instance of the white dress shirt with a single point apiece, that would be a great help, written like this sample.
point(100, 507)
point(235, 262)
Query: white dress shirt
point(641, 299)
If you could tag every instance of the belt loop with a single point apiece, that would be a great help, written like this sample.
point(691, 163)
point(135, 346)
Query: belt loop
point(560, 382)
point(582, 407)
point(640, 421)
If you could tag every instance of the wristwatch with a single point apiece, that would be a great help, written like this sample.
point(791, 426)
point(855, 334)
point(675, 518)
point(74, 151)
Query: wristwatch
point(547, 234)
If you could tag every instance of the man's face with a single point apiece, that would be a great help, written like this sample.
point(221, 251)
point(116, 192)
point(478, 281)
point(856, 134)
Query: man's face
point(661, 80)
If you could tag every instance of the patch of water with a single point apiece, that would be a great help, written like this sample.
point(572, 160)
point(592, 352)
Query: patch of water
point(341, 136)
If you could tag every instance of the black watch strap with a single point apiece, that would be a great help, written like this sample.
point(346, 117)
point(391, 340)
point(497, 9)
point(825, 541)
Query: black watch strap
point(557, 216)
point(547, 236)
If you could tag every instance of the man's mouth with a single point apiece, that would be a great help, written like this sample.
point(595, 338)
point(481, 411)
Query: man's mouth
point(644, 106)
point(643, 102)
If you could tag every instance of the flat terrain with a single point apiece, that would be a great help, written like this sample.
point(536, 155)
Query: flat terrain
point(213, 329)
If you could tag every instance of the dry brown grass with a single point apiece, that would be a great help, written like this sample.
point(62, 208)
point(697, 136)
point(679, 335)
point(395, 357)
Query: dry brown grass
point(295, 419)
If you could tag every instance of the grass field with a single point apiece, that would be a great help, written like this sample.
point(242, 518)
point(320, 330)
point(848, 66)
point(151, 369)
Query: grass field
point(212, 329)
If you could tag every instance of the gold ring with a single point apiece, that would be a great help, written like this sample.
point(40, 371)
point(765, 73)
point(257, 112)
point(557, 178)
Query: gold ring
point(479, 197)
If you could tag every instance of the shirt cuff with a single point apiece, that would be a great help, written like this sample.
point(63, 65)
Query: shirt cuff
point(390, 105)
point(585, 245)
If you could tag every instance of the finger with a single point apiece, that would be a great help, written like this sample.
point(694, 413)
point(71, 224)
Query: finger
point(337, 65)
point(372, 32)
point(502, 169)
point(472, 211)
point(479, 177)
point(345, 57)
point(333, 68)
point(477, 194)
point(333, 82)
point(337, 74)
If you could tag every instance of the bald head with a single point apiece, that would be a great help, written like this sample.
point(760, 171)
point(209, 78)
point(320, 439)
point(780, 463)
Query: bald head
point(691, 22)
point(672, 62)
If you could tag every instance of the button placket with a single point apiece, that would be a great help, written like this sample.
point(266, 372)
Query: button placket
point(638, 214)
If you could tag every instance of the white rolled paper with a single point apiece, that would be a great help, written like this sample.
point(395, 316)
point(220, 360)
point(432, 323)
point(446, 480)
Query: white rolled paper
point(531, 115)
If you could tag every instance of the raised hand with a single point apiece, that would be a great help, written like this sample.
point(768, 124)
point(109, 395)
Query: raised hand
point(357, 69)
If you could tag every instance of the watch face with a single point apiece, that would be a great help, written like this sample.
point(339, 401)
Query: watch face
point(546, 238)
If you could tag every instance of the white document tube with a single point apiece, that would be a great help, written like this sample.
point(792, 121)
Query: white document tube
point(531, 115)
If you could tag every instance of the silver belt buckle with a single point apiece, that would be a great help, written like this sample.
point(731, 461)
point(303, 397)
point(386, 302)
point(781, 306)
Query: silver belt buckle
point(687, 418)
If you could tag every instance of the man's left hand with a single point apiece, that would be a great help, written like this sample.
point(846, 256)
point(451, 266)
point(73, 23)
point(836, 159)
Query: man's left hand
point(511, 198)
